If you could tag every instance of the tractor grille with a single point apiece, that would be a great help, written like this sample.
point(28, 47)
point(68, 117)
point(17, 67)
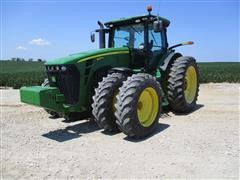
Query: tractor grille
point(67, 79)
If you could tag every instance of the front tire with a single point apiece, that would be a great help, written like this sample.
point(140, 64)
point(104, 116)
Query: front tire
point(104, 100)
point(183, 85)
point(138, 105)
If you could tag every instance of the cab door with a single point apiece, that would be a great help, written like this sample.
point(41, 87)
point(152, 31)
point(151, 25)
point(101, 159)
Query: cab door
point(156, 47)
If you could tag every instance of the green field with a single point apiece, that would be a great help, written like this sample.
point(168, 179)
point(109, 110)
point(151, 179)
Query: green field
point(18, 73)
point(219, 72)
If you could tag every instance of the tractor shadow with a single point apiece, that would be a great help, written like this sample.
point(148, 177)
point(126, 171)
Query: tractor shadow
point(110, 133)
point(76, 131)
point(166, 110)
point(197, 107)
point(72, 132)
point(160, 127)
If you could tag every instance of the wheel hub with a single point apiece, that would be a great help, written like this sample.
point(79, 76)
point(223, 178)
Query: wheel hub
point(190, 84)
point(147, 106)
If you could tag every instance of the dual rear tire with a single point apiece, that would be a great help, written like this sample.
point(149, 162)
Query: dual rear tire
point(183, 85)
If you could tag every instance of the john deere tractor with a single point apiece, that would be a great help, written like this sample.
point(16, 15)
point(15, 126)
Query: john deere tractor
point(125, 83)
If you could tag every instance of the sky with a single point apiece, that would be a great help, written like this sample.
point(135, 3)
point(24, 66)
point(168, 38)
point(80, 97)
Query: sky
point(50, 29)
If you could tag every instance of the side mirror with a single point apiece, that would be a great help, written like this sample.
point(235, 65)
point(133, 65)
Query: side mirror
point(157, 26)
point(92, 36)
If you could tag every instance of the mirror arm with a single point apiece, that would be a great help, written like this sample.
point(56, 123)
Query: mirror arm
point(181, 44)
point(101, 25)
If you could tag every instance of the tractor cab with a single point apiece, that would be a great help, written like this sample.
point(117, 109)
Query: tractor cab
point(145, 36)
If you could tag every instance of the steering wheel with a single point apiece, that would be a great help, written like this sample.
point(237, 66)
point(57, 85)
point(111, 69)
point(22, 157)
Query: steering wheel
point(141, 46)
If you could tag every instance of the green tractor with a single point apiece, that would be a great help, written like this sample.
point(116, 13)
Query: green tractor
point(125, 83)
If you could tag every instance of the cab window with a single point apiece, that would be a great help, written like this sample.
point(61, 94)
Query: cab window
point(155, 39)
point(129, 36)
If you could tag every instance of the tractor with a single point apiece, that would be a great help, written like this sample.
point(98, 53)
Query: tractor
point(125, 83)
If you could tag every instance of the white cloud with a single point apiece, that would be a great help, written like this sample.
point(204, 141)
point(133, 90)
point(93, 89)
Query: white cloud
point(39, 42)
point(21, 48)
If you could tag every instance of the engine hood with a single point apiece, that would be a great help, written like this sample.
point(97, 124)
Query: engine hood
point(86, 55)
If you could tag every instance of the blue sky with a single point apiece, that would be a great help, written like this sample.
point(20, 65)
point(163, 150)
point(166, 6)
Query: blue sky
point(51, 29)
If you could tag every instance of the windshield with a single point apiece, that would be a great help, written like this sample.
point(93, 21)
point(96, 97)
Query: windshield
point(129, 36)
point(132, 36)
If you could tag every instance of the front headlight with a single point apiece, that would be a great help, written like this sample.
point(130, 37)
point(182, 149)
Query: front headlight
point(50, 68)
point(53, 79)
point(63, 68)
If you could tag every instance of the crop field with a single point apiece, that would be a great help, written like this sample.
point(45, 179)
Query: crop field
point(219, 72)
point(19, 73)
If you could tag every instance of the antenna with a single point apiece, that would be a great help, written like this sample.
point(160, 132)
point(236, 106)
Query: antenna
point(158, 17)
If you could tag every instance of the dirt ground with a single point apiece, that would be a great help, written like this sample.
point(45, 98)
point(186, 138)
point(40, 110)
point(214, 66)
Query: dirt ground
point(203, 144)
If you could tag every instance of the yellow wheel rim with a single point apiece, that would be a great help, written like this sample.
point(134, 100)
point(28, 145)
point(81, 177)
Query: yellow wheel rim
point(190, 85)
point(147, 107)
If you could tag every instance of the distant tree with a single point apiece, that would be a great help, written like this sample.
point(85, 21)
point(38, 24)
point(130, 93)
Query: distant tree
point(30, 59)
point(39, 60)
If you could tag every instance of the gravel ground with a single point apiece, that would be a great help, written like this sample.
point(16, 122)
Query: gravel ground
point(203, 144)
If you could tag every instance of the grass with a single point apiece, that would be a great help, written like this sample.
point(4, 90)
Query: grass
point(18, 73)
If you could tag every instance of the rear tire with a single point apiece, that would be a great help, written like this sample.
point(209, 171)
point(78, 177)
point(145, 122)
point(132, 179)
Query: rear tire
point(138, 105)
point(183, 85)
point(104, 99)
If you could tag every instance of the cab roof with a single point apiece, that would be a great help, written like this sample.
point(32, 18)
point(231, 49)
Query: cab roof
point(136, 20)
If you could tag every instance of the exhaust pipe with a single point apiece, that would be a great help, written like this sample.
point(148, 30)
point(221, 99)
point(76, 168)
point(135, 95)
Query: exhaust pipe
point(102, 41)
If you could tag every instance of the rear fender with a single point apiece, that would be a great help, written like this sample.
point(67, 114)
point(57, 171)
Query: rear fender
point(169, 60)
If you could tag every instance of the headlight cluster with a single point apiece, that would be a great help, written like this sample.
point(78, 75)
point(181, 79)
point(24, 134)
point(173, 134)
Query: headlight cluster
point(56, 68)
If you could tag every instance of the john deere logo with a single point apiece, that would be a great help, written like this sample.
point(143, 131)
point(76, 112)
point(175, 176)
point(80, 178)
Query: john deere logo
point(99, 58)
